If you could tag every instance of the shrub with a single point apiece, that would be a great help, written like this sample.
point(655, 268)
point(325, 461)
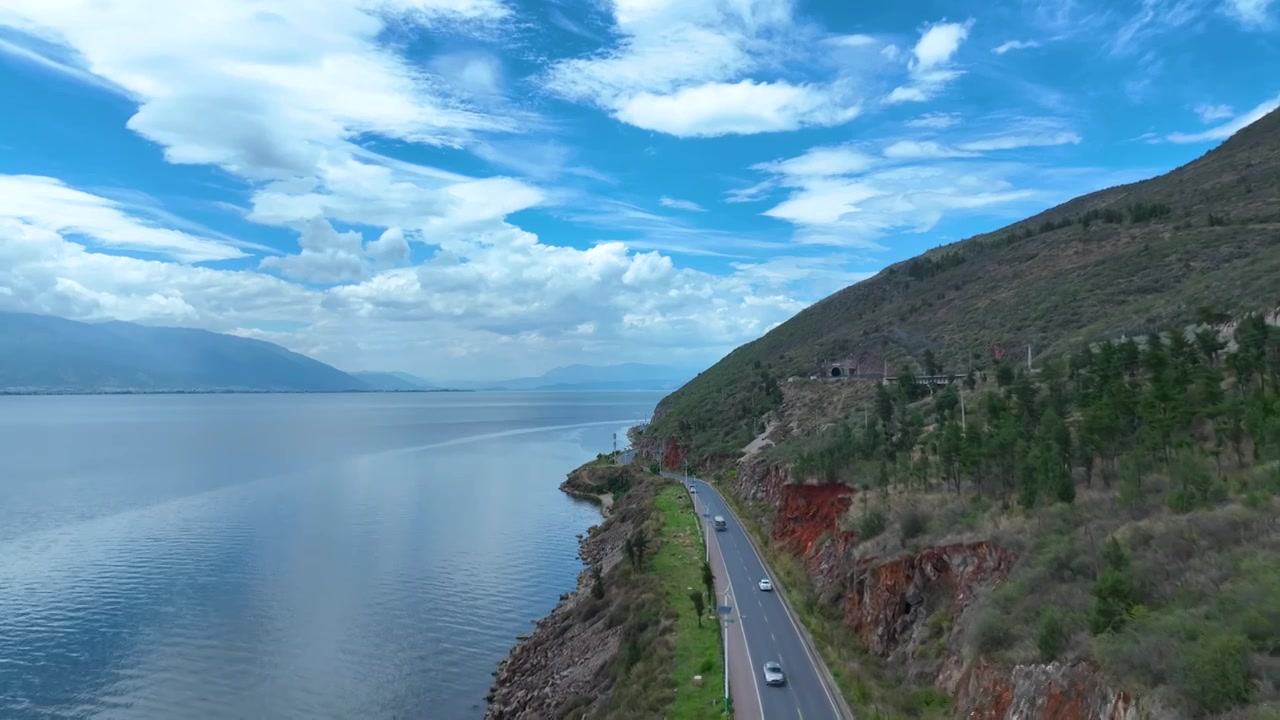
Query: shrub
point(1115, 594)
point(1052, 637)
point(990, 633)
point(914, 523)
point(1204, 662)
point(871, 524)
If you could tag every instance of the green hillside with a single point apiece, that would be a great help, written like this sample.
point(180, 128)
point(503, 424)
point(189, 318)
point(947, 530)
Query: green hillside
point(1204, 238)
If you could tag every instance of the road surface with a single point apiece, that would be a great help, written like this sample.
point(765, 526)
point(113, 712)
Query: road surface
point(767, 629)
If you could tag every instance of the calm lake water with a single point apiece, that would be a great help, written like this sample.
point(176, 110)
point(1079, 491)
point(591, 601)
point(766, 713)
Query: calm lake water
point(284, 556)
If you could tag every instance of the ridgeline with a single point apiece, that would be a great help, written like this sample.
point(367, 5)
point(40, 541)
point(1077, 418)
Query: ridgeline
point(1034, 474)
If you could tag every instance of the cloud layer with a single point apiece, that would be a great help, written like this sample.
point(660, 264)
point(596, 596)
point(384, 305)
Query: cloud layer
point(433, 185)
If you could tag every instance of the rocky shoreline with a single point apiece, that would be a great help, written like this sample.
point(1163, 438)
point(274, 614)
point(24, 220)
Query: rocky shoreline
point(559, 669)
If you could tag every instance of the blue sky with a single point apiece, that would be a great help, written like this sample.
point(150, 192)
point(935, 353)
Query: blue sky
point(486, 188)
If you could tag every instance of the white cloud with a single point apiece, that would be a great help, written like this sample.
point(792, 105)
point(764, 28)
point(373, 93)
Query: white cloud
point(935, 120)
point(267, 95)
point(742, 108)
point(688, 69)
point(1226, 130)
point(1013, 141)
point(49, 204)
point(919, 150)
point(1208, 113)
point(843, 196)
point(820, 162)
point(391, 248)
point(481, 295)
point(678, 204)
point(752, 193)
point(1005, 47)
point(1153, 18)
point(939, 43)
point(1250, 13)
point(851, 41)
point(329, 257)
point(930, 62)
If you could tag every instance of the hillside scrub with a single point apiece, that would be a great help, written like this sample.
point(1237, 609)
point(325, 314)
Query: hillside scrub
point(1138, 481)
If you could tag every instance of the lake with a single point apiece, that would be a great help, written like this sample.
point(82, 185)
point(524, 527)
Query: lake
point(284, 556)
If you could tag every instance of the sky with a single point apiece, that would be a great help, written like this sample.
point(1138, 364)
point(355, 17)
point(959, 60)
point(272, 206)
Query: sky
point(492, 188)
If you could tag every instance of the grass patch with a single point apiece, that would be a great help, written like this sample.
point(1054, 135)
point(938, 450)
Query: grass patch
point(697, 649)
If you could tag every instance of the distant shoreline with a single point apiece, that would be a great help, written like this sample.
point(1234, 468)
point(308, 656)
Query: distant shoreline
point(14, 392)
point(224, 392)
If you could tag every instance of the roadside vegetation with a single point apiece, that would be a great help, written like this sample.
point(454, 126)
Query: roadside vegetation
point(1139, 483)
point(678, 565)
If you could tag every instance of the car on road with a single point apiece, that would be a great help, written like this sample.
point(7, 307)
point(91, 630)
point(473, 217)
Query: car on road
point(719, 523)
point(692, 489)
point(766, 585)
point(773, 674)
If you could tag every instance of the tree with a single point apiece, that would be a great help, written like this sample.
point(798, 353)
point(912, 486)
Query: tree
point(1114, 593)
point(946, 402)
point(930, 363)
point(1004, 375)
point(709, 581)
point(597, 583)
point(950, 451)
point(638, 543)
point(699, 606)
point(907, 386)
point(884, 407)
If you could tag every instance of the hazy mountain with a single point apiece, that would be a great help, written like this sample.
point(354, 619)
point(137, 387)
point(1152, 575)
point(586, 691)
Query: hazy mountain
point(51, 354)
point(620, 377)
point(391, 381)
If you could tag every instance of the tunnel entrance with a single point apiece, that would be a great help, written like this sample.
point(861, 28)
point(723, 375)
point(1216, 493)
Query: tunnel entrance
point(836, 372)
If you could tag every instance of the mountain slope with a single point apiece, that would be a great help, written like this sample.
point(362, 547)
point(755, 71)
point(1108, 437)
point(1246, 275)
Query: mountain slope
point(45, 353)
point(1119, 261)
point(390, 382)
point(600, 378)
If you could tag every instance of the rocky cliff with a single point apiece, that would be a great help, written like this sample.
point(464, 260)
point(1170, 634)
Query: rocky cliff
point(912, 606)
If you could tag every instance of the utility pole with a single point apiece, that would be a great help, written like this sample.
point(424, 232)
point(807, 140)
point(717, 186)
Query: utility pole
point(615, 448)
point(724, 632)
point(1028, 357)
point(962, 425)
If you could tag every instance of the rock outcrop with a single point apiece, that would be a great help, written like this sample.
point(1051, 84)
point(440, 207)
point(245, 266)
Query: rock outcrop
point(910, 607)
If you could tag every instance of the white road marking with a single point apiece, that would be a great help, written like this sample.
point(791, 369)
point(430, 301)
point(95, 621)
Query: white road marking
point(786, 610)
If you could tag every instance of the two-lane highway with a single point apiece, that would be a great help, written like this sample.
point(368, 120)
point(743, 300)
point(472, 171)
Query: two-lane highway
point(771, 633)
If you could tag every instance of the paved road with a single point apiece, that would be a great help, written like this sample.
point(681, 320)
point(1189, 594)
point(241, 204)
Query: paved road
point(769, 630)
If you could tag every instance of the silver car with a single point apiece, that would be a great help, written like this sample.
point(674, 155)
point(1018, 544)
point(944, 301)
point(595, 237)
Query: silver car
point(773, 674)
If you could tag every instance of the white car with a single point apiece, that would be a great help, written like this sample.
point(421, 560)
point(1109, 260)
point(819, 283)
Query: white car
point(773, 674)
point(765, 585)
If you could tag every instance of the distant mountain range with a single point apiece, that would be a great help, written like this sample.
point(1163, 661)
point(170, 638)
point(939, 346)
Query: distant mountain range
point(47, 354)
point(598, 378)
point(42, 353)
point(393, 382)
